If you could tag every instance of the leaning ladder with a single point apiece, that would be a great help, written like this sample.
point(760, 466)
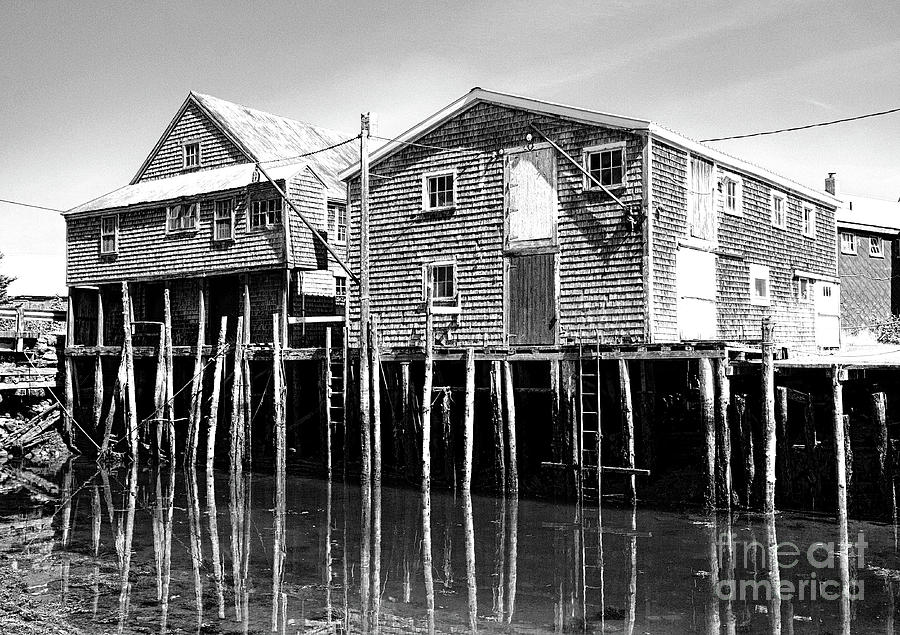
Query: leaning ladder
point(335, 392)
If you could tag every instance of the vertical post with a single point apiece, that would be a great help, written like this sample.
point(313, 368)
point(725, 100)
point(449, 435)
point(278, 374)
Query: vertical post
point(128, 352)
point(98, 365)
point(197, 380)
point(216, 395)
point(837, 407)
point(278, 392)
point(285, 308)
point(169, 395)
point(883, 450)
point(406, 419)
point(426, 461)
point(723, 397)
point(768, 413)
point(510, 401)
point(747, 451)
point(555, 410)
point(628, 426)
point(246, 307)
point(708, 422)
point(376, 401)
point(69, 369)
point(648, 413)
point(326, 410)
point(364, 398)
point(469, 421)
point(497, 389)
point(237, 391)
point(783, 463)
point(20, 328)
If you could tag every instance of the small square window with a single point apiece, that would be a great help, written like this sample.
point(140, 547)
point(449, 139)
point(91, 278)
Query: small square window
point(191, 155)
point(223, 220)
point(848, 243)
point(759, 285)
point(439, 191)
point(779, 210)
point(607, 165)
point(109, 234)
point(809, 221)
point(876, 247)
point(182, 217)
point(265, 213)
point(340, 288)
point(441, 278)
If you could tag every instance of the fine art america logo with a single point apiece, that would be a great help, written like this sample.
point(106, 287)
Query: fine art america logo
point(819, 581)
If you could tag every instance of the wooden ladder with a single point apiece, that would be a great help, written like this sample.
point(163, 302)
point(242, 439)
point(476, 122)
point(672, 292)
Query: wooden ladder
point(336, 389)
point(590, 436)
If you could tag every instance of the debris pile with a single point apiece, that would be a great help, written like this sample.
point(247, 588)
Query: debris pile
point(32, 432)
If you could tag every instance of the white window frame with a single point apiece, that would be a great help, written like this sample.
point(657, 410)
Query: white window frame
point(442, 304)
point(338, 294)
point(724, 180)
point(810, 285)
point(760, 272)
point(873, 251)
point(180, 230)
point(784, 206)
point(115, 234)
point(426, 192)
point(809, 229)
point(336, 221)
point(216, 219)
point(184, 154)
point(266, 225)
point(847, 247)
point(588, 184)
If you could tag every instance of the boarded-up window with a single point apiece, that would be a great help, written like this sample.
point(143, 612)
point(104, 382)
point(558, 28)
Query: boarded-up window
point(701, 210)
point(109, 234)
point(223, 221)
point(531, 197)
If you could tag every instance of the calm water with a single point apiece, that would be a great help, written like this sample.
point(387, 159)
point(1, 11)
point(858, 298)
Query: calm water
point(197, 555)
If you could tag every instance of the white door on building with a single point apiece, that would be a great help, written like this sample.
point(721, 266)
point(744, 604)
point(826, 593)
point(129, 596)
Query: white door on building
point(696, 294)
point(828, 314)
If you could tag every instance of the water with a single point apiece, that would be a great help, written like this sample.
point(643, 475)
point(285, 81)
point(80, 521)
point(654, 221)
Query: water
point(187, 554)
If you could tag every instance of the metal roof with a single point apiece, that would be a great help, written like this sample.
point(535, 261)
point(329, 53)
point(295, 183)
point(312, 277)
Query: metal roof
point(870, 214)
point(478, 95)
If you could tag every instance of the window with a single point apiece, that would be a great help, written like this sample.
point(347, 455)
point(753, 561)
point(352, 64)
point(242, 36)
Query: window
point(809, 221)
point(340, 288)
point(701, 190)
point(848, 243)
point(265, 213)
point(606, 164)
point(223, 220)
point(109, 234)
point(805, 289)
point(441, 277)
point(191, 154)
point(182, 217)
point(730, 193)
point(338, 216)
point(826, 291)
point(759, 285)
point(439, 190)
point(779, 210)
point(876, 247)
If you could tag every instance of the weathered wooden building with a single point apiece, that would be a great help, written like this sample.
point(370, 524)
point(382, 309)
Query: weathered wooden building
point(869, 265)
point(540, 224)
point(219, 221)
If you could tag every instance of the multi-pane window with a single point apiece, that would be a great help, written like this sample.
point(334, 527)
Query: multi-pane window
point(805, 289)
point(109, 234)
point(809, 221)
point(182, 217)
point(605, 165)
point(441, 278)
point(759, 285)
point(191, 154)
point(730, 191)
point(338, 216)
point(440, 190)
point(223, 220)
point(848, 243)
point(265, 213)
point(340, 288)
point(876, 247)
point(779, 210)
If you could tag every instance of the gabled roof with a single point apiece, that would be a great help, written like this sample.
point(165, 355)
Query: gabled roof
point(869, 214)
point(183, 185)
point(583, 115)
point(262, 136)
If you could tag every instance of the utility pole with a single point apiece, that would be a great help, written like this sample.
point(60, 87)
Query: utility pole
point(364, 398)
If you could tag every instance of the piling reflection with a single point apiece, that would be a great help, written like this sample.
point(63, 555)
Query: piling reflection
point(126, 535)
point(213, 519)
point(471, 583)
point(193, 507)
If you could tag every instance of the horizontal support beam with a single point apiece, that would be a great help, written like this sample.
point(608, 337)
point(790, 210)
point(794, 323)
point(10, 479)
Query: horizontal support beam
point(28, 385)
point(316, 319)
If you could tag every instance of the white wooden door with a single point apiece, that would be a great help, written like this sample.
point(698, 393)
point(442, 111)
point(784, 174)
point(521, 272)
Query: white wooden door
point(828, 314)
point(696, 272)
point(530, 198)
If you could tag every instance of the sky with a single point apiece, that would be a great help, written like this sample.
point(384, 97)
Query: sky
point(88, 87)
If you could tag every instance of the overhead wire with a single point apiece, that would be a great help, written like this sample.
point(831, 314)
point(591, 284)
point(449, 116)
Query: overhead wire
point(20, 203)
point(804, 127)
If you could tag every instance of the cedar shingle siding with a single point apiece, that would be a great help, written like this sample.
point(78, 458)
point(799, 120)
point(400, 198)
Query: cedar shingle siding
point(869, 288)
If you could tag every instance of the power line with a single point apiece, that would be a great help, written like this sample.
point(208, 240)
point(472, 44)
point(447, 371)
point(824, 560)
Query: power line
point(806, 127)
point(423, 145)
point(49, 209)
point(309, 154)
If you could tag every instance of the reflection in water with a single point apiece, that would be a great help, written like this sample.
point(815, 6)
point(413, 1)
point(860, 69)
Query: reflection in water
point(541, 562)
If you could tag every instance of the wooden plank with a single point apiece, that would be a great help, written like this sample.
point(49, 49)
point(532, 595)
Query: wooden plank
point(316, 319)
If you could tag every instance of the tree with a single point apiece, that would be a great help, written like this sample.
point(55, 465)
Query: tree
point(4, 282)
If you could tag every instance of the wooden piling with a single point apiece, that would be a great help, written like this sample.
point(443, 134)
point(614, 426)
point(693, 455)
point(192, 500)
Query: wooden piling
point(708, 424)
point(883, 451)
point(768, 413)
point(512, 482)
point(159, 393)
point(68, 372)
point(128, 352)
point(447, 438)
point(648, 413)
point(783, 463)
point(723, 397)
point(426, 462)
point(98, 365)
point(327, 380)
point(376, 402)
point(469, 421)
point(216, 395)
point(406, 419)
point(193, 434)
point(837, 408)
point(627, 427)
point(497, 388)
point(237, 391)
point(169, 394)
point(747, 449)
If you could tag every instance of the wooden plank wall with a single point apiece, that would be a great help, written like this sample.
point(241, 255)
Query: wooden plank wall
point(600, 260)
point(309, 195)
